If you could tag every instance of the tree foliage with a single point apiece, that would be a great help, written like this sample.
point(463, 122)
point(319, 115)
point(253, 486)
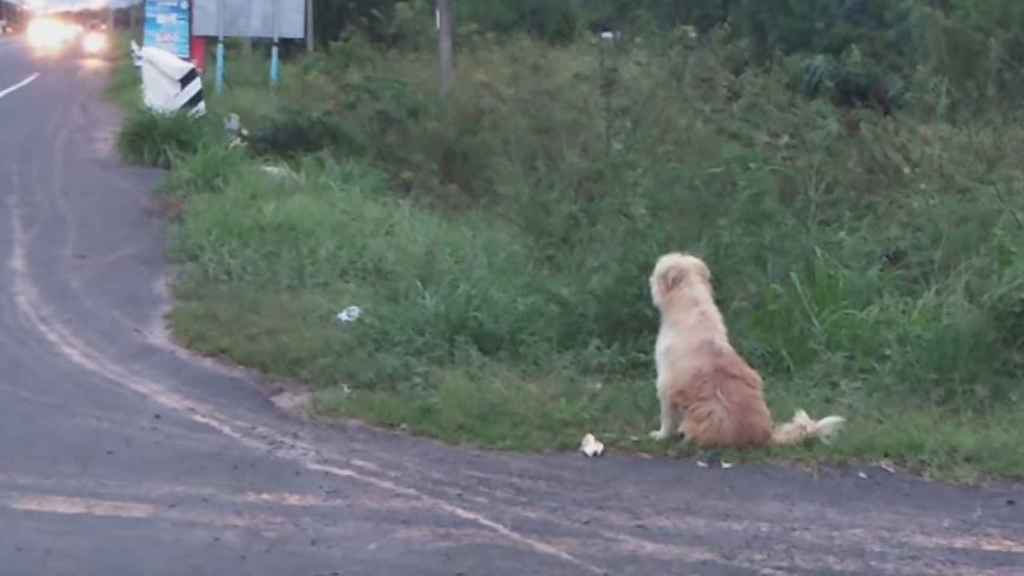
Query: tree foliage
point(868, 48)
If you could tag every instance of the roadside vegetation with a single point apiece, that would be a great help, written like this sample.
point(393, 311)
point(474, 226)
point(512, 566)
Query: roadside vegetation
point(498, 243)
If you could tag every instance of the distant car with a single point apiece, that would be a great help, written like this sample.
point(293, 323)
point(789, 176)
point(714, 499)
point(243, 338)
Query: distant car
point(96, 41)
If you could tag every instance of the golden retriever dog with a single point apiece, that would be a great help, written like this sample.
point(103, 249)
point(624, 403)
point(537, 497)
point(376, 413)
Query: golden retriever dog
point(707, 391)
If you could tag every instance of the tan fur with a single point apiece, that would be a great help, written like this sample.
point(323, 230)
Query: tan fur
point(706, 390)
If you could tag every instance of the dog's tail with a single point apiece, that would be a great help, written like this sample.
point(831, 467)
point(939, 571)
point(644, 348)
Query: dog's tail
point(802, 428)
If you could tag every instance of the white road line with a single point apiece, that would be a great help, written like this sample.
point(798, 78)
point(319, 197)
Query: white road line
point(19, 85)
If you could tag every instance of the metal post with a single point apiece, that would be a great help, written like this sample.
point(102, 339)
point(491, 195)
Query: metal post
point(310, 28)
point(446, 23)
point(220, 47)
point(275, 62)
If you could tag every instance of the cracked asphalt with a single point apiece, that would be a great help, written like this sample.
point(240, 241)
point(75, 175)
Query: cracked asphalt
point(121, 454)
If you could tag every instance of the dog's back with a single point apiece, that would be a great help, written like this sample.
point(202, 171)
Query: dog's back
point(722, 399)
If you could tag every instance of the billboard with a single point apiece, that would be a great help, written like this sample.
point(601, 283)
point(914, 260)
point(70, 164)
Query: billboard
point(168, 26)
point(251, 18)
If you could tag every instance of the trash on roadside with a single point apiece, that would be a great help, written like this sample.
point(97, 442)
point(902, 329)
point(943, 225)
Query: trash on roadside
point(591, 446)
point(887, 466)
point(234, 130)
point(233, 125)
point(714, 461)
point(862, 475)
point(279, 172)
point(350, 314)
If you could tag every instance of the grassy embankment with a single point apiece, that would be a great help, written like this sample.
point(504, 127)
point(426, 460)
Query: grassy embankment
point(499, 246)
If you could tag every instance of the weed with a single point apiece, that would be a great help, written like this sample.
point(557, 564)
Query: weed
point(154, 139)
point(869, 271)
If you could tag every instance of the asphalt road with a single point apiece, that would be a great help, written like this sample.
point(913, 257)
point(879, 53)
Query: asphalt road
point(123, 455)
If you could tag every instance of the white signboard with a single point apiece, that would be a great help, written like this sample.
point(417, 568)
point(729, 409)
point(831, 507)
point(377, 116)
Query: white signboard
point(250, 18)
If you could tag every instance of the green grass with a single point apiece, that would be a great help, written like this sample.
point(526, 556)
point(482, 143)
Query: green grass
point(500, 248)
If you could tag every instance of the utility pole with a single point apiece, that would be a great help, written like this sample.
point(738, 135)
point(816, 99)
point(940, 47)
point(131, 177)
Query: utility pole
point(446, 24)
point(310, 30)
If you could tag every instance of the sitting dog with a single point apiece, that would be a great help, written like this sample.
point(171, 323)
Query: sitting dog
point(707, 391)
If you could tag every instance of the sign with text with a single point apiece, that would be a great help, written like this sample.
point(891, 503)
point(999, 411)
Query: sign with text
point(251, 18)
point(168, 26)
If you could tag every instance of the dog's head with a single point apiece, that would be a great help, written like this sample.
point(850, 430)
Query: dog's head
point(677, 271)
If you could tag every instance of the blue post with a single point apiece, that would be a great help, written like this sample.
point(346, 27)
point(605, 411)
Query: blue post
point(275, 65)
point(220, 47)
point(220, 66)
point(275, 60)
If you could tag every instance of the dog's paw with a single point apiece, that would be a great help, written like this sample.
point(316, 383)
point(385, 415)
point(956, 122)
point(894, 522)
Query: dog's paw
point(659, 435)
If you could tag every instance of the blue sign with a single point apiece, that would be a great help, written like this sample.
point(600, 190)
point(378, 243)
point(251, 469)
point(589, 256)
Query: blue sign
point(168, 26)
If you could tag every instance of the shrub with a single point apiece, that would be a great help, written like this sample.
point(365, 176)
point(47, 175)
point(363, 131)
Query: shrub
point(154, 139)
point(294, 132)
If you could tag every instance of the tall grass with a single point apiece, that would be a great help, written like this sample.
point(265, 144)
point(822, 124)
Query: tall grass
point(500, 243)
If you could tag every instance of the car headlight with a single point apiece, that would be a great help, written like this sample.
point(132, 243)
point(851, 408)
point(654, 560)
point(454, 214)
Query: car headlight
point(95, 42)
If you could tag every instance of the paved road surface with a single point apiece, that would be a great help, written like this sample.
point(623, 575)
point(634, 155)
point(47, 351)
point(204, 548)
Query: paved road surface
point(121, 455)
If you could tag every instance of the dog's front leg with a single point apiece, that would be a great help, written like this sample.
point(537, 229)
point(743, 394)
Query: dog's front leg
point(668, 418)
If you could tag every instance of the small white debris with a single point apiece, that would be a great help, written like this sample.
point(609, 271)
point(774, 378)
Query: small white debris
point(233, 125)
point(279, 172)
point(862, 475)
point(591, 447)
point(715, 463)
point(350, 314)
point(887, 466)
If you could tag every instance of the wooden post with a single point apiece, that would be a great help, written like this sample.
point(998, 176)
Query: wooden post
point(446, 18)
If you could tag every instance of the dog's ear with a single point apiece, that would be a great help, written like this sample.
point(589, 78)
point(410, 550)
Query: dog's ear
point(671, 278)
point(700, 269)
point(704, 272)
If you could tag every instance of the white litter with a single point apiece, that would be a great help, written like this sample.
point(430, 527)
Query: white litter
point(234, 129)
point(279, 172)
point(350, 314)
point(724, 465)
point(862, 475)
point(591, 446)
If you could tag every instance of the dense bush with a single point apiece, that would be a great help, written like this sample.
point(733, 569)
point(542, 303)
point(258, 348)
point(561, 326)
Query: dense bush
point(499, 241)
point(155, 139)
point(875, 256)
